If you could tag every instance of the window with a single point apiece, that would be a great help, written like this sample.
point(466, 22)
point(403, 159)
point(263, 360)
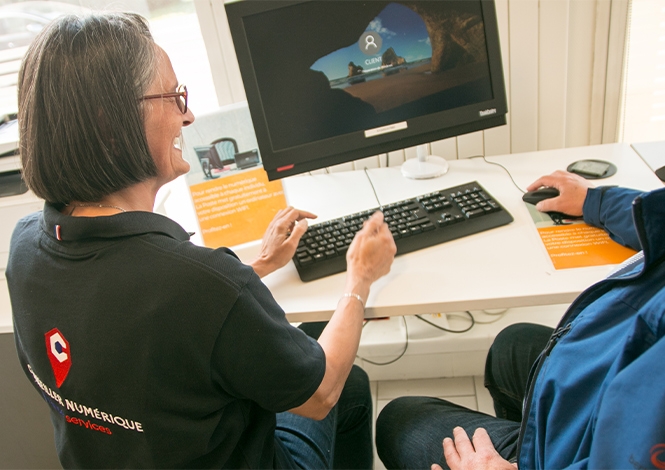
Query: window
point(174, 25)
point(643, 111)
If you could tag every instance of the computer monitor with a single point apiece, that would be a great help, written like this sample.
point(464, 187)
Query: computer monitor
point(331, 81)
point(247, 159)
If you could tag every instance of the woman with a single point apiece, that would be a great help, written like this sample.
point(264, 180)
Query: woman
point(151, 351)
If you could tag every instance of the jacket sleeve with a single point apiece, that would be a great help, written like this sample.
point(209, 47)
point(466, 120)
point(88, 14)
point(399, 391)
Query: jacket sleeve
point(611, 208)
point(630, 429)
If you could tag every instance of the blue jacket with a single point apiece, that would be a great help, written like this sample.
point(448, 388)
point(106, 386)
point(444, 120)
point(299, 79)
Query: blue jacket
point(598, 397)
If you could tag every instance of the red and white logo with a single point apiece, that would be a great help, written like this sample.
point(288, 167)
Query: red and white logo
point(57, 350)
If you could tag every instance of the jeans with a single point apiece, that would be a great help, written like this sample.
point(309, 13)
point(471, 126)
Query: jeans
point(342, 440)
point(410, 430)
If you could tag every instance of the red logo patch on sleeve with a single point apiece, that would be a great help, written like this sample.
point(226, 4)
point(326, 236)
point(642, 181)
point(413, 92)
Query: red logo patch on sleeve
point(657, 452)
point(57, 349)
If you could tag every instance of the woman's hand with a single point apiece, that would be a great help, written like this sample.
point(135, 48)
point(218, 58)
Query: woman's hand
point(463, 454)
point(281, 240)
point(572, 192)
point(370, 254)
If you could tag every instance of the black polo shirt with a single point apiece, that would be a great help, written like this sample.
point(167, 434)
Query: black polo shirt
point(152, 351)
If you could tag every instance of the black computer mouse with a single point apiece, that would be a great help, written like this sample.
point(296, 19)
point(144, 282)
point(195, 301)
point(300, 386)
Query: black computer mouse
point(534, 197)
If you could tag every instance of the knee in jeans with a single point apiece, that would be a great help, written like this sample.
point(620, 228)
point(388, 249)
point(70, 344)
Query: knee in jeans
point(358, 379)
point(396, 412)
point(509, 335)
point(358, 375)
point(507, 339)
point(502, 348)
point(356, 390)
point(388, 419)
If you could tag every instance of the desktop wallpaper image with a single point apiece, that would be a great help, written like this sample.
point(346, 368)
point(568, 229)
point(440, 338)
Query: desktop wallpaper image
point(316, 82)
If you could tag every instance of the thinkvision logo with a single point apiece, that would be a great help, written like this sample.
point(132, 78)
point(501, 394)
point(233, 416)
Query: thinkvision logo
point(487, 112)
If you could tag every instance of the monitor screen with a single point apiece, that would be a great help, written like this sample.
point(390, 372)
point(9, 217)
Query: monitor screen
point(331, 81)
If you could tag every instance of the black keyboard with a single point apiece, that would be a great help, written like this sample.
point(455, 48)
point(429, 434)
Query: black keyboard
point(416, 223)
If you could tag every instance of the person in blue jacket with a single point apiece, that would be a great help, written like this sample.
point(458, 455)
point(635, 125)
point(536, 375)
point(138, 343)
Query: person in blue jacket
point(588, 394)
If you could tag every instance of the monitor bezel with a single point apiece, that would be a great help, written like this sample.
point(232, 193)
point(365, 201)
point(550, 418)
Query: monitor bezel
point(352, 146)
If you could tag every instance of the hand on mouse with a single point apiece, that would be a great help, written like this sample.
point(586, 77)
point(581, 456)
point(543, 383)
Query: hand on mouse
point(572, 192)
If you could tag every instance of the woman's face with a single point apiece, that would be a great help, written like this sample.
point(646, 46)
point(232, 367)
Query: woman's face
point(164, 121)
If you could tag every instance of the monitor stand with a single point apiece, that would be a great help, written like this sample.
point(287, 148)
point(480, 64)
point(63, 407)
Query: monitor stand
point(425, 165)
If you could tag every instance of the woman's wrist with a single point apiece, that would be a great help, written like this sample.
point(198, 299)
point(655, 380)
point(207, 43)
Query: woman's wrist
point(261, 267)
point(358, 287)
point(353, 295)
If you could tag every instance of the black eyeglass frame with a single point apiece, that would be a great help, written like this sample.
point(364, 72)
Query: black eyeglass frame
point(180, 93)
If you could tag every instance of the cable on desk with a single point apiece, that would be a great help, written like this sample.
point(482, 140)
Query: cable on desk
point(504, 168)
point(557, 217)
point(406, 346)
point(376, 196)
point(448, 330)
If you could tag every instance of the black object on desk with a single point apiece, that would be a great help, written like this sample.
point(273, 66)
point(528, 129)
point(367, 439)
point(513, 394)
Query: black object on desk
point(415, 223)
point(653, 154)
point(660, 173)
point(534, 197)
point(12, 184)
point(592, 169)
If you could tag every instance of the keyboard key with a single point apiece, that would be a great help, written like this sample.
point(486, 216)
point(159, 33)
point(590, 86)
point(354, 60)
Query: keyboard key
point(413, 223)
point(474, 213)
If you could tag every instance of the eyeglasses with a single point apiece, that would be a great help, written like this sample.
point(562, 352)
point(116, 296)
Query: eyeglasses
point(180, 94)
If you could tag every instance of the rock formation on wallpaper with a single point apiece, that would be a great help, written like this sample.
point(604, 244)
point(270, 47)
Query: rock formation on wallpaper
point(391, 58)
point(355, 69)
point(456, 34)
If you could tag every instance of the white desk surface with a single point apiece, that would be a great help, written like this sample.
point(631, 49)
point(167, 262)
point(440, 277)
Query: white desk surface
point(501, 268)
point(653, 153)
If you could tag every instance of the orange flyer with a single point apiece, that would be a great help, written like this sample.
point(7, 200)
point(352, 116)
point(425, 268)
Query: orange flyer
point(574, 244)
point(237, 208)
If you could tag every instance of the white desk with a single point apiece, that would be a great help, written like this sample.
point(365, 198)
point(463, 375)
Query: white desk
point(501, 268)
point(504, 267)
point(653, 154)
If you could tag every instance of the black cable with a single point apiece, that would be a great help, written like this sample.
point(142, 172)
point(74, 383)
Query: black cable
point(504, 168)
point(406, 346)
point(473, 322)
point(557, 217)
point(498, 316)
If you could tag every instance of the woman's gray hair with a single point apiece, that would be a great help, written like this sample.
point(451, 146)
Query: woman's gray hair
point(81, 124)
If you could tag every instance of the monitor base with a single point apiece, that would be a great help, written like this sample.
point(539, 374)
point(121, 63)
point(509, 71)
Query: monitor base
point(429, 167)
